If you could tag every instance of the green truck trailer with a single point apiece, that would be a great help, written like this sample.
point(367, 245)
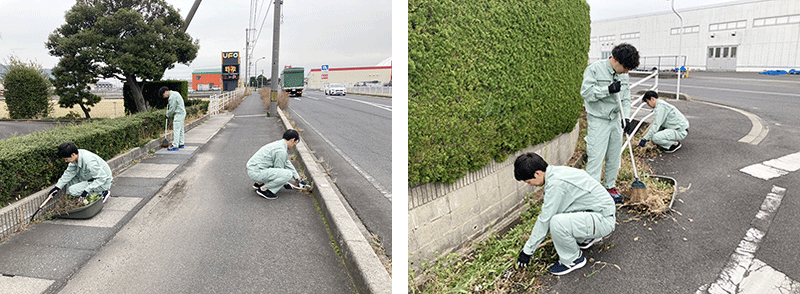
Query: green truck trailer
point(293, 81)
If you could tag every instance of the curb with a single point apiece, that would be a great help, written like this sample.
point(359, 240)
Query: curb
point(365, 268)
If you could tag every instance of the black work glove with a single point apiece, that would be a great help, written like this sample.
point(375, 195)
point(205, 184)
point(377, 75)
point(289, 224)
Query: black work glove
point(642, 143)
point(627, 126)
point(85, 194)
point(54, 191)
point(523, 260)
point(614, 87)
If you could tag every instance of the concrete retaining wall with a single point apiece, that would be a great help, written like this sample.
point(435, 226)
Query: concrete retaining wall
point(444, 218)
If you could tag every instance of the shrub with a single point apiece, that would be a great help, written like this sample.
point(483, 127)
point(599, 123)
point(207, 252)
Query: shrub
point(27, 90)
point(489, 78)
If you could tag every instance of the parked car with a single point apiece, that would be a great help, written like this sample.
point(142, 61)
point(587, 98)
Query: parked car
point(360, 84)
point(336, 89)
point(374, 83)
point(389, 84)
point(325, 87)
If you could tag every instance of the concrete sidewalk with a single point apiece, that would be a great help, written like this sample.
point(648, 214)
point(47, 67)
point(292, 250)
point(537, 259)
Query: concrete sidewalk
point(46, 256)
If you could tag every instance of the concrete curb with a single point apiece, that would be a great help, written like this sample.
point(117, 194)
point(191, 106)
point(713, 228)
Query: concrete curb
point(15, 216)
point(363, 265)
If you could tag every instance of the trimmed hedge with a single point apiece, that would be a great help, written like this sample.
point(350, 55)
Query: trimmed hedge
point(29, 163)
point(489, 78)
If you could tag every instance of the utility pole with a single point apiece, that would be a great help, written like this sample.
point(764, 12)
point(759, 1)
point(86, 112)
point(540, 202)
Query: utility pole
point(276, 37)
point(680, 40)
point(190, 15)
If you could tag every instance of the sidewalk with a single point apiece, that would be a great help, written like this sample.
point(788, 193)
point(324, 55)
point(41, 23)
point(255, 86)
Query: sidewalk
point(50, 254)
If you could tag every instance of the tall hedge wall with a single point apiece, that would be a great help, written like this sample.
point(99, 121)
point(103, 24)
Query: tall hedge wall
point(489, 78)
point(29, 163)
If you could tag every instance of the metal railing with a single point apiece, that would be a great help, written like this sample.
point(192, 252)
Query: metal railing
point(637, 103)
point(387, 91)
point(218, 102)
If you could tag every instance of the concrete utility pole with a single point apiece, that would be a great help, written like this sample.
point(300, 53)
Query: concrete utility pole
point(276, 37)
point(190, 15)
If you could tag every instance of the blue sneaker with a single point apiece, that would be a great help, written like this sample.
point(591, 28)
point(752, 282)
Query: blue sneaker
point(181, 147)
point(615, 195)
point(559, 268)
point(172, 148)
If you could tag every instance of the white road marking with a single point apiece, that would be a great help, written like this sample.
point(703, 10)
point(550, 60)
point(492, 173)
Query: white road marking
point(775, 167)
point(386, 193)
point(758, 131)
point(738, 271)
point(378, 105)
point(763, 279)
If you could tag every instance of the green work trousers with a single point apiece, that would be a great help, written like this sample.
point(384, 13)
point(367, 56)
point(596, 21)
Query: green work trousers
point(177, 129)
point(666, 138)
point(75, 187)
point(568, 229)
point(273, 178)
point(603, 143)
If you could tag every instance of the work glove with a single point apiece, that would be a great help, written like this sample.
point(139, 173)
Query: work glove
point(523, 260)
point(627, 126)
point(85, 194)
point(642, 143)
point(54, 191)
point(614, 87)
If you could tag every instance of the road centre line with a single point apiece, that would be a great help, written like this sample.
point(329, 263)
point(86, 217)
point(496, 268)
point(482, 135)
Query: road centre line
point(352, 163)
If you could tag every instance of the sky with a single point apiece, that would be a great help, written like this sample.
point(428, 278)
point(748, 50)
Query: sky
point(314, 32)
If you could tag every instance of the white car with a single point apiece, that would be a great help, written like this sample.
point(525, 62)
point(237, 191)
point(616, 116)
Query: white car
point(336, 89)
point(325, 87)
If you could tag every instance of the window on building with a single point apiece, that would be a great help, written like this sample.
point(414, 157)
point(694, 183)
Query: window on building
point(731, 25)
point(725, 52)
point(733, 52)
point(606, 54)
point(716, 55)
point(710, 52)
point(197, 78)
point(686, 30)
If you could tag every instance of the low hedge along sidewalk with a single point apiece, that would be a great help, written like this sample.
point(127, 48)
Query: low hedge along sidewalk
point(29, 163)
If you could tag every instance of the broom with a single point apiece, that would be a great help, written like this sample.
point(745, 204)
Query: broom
point(165, 143)
point(638, 188)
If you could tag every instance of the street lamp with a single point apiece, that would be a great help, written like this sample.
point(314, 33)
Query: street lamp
point(258, 82)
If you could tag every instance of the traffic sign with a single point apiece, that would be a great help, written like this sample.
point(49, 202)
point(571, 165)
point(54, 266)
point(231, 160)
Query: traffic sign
point(325, 67)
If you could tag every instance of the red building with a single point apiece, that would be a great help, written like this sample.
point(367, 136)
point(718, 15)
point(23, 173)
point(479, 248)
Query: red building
point(205, 79)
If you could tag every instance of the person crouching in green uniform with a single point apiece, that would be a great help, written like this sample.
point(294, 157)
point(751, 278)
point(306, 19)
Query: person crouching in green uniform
point(603, 80)
point(576, 211)
point(86, 174)
point(175, 106)
point(271, 169)
point(669, 125)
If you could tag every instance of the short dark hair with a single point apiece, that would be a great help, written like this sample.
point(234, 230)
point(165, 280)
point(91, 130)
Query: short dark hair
point(648, 95)
point(161, 91)
point(527, 164)
point(627, 55)
point(66, 150)
point(291, 134)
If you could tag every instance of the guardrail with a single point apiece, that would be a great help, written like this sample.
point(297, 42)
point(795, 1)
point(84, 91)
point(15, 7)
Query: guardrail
point(218, 102)
point(371, 90)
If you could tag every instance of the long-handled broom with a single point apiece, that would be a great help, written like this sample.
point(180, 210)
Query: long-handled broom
point(165, 143)
point(40, 206)
point(638, 188)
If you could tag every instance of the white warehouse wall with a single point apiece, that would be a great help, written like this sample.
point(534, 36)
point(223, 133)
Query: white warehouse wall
point(759, 44)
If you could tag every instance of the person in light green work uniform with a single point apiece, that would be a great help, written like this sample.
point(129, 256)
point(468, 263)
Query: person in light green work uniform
point(604, 82)
point(271, 169)
point(175, 106)
point(669, 125)
point(576, 211)
point(86, 174)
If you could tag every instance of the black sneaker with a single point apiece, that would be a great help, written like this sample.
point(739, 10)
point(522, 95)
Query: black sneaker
point(266, 194)
point(287, 186)
point(297, 185)
point(674, 148)
point(257, 185)
point(588, 243)
point(105, 195)
point(559, 268)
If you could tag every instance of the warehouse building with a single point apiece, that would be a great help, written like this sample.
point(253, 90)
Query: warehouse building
point(376, 75)
point(206, 79)
point(746, 36)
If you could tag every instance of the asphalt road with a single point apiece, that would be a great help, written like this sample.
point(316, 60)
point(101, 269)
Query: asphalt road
point(717, 204)
point(352, 135)
point(9, 129)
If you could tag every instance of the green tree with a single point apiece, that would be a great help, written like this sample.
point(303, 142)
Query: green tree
point(73, 74)
point(27, 88)
point(131, 40)
point(253, 82)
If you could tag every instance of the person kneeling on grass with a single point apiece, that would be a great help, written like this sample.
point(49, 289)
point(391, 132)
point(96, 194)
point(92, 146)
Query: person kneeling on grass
point(669, 125)
point(86, 173)
point(576, 211)
point(271, 169)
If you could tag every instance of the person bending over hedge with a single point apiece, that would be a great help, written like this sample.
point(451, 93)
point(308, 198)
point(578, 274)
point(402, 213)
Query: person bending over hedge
point(86, 173)
point(271, 169)
point(576, 211)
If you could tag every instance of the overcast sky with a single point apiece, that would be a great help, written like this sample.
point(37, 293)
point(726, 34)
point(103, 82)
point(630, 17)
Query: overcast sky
point(313, 33)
